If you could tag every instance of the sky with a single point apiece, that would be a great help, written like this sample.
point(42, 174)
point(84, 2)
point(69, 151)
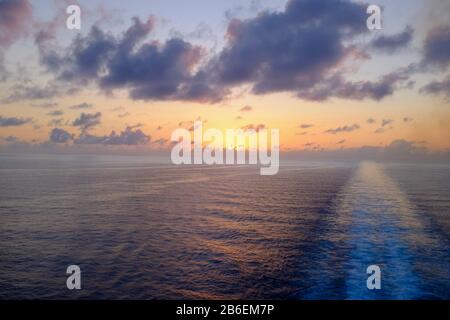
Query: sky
point(138, 70)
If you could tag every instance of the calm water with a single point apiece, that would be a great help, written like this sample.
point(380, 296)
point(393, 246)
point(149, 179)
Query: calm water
point(144, 230)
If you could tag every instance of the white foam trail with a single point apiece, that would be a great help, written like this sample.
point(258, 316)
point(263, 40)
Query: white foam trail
point(379, 221)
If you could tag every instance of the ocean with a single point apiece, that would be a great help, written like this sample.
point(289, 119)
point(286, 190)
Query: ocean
point(141, 229)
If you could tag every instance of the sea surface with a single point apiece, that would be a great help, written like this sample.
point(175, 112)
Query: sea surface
point(139, 229)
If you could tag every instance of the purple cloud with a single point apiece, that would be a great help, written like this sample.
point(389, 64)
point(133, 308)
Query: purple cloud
point(60, 136)
point(13, 121)
point(393, 43)
point(15, 19)
point(87, 120)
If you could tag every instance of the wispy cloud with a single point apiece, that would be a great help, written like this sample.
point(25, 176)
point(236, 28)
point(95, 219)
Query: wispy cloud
point(392, 43)
point(246, 109)
point(87, 120)
point(82, 106)
point(13, 121)
point(346, 128)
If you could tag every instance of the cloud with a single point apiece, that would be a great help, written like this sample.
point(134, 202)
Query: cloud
point(346, 128)
point(9, 139)
point(299, 50)
point(340, 141)
point(337, 86)
point(60, 136)
point(393, 43)
point(55, 113)
point(45, 105)
point(123, 115)
point(437, 47)
point(403, 148)
point(56, 122)
point(81, 106)
point(149, 70)
point(20, 92)
point(128, 137)
point(312, 146)
point(407, 119)
point(161, 142)
point(117, 109)
point(246, 109)
point(371, 121)
point(309, 34)
point(13, 121)
point(306, 126)
point(438, 87)
point(380, 131)
point(386, 122)
point(25, 92)
point(255, 127)
point(87, 120)
point(83, 59)
point(15, 20)
point(436, 57)
point(396, 150)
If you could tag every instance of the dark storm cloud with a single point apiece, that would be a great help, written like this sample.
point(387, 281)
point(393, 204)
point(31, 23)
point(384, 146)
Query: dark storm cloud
point(60, 136)
point(346, 128)
point(128, 137)
point(13, 121)
point(393, 43)
point(87, 120)
point(437, 47)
